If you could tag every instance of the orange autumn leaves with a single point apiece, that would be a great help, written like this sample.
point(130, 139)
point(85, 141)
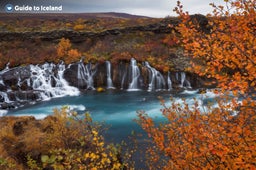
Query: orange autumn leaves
point(228, 51)
point(192, 140)
point(66, 53)
point(207, 137)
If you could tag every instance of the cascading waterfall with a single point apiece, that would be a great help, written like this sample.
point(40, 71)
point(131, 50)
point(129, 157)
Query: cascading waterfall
point(169, 81)
point(62, 83)
point(2, 72)
point(123, 79)
point(156, 79)
point(4, 97)
point(1, 80)
point(48, 84)
point(85, 75)
point(188, 84)
point(22, 85)
point(109, 79)
point(181, 77)
point(134, 76)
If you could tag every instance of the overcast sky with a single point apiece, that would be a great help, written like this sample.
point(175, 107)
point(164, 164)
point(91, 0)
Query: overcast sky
point(152, 8)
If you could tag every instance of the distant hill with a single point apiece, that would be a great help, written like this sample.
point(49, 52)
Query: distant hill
point(71, 16)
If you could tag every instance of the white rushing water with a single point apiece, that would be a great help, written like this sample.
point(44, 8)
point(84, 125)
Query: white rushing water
point(109, 78)
point(48, 84)
point(181, 77)
point(5, 97)
point(134, 76)
point(169, 81)
point(3, 112)
point(2, 72)
point(43, 82)
point(85, 75)
point(156, 79)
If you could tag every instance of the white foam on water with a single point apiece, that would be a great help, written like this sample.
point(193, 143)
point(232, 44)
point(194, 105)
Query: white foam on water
point(37, 116)
point(210, 94)
point(77, 107)
point(42, 112)
point(50, 109)
point(189, 92)
point(133, 90)
point(3, 113)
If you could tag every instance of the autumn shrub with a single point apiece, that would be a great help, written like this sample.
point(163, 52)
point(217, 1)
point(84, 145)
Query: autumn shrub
point(212, 137)
point(227, 52)
point(79, 27)
point(190, 138)
point(66, 53)
point(64, 140)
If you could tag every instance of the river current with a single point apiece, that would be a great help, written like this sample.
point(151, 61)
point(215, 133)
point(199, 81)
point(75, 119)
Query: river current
point(115, 108)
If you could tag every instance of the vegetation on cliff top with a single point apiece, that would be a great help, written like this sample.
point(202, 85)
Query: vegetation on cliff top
point(94, 22)
point(127, 38)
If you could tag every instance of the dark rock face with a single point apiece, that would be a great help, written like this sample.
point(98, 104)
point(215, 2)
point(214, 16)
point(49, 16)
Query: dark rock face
point(202, 21)
point(70, 74)
point(22, 85)
point(75, 36)
point(120, 75)
point(13, 76)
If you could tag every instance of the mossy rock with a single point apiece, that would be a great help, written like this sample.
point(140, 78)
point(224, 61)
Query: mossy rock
point(100, 89)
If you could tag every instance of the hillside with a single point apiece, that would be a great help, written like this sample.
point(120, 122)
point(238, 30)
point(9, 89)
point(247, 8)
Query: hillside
point(108, 36)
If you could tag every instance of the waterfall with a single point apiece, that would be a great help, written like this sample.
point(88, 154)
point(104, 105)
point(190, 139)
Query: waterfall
point(134, 76)
point(169, 82)
point(4, 97)
point(3, 71)
point(156, 79)
point(42, 82)
point(1, 79)
point(62, 83)
point(188, 85)
point(181, 77)
point(123, 79)
point(109, 79)
point(48, 84)
point(85, 75)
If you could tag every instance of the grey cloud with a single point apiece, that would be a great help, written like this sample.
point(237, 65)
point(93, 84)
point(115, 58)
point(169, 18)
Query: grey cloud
point(158, 8)
point(153, 8)
point(116, 5)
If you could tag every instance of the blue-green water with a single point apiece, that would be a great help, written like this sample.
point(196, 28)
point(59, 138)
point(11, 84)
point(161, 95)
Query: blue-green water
point(117, 109)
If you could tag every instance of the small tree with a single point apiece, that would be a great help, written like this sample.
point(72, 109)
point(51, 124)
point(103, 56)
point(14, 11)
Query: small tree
point(227, 52)
point(66, 53)
point(222, 137)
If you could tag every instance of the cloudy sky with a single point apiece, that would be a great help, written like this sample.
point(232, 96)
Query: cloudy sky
point(152, 8)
